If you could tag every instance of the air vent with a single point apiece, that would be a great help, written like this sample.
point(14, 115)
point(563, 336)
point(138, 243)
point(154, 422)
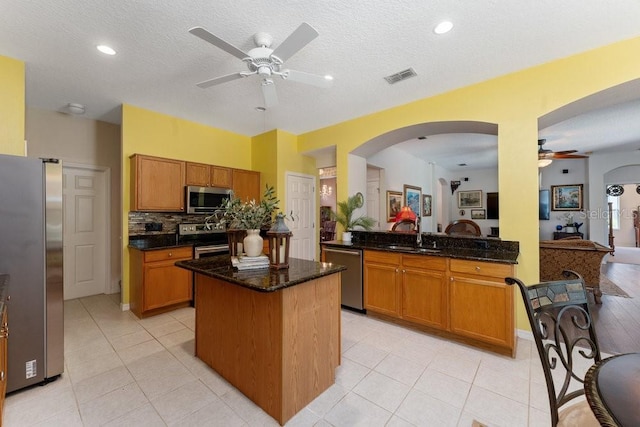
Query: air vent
point(402, 75)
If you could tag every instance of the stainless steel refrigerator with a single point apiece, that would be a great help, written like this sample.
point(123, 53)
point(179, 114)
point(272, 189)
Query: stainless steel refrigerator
point(31, 253)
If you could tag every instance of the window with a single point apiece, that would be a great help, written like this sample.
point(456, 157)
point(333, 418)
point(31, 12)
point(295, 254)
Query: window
point(615, 209)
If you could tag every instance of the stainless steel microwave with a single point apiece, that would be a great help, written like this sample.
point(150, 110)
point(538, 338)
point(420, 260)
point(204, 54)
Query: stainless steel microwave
point(205, 200)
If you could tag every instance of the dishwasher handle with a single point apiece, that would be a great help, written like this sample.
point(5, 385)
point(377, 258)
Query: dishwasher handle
point(343, 251)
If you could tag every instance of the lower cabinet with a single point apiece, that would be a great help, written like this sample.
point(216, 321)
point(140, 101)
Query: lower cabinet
point(463, 298)
point(410, 287)
point(481, 302)
point(157, 285)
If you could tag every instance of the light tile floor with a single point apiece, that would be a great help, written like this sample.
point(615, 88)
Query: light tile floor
point(123, 371)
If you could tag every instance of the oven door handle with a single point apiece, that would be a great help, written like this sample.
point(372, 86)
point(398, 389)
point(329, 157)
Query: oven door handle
point(198, 250)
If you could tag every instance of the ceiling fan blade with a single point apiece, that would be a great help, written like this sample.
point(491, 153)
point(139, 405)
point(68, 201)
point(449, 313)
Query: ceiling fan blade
point(218, 42)
point(307, 78)
point(569, 156)
point(219, 80)
point(302, 36)
point(566, 152)
point(269, 93)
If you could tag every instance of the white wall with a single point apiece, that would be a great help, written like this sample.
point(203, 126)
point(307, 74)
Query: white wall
point(553, 175)
point(599, 165)
point(485, 180)
point(83, 141)
point(401, 168)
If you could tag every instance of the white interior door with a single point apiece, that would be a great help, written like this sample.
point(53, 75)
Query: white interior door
point(85, 232)
point(373, 201)
point(301, 201)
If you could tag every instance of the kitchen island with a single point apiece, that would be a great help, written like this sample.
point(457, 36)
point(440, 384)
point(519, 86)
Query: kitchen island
point(273, 334)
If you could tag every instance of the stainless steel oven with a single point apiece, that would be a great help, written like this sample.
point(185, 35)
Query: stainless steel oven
point(209, 250)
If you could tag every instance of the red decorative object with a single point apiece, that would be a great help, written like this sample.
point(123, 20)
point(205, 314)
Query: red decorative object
point(405, 214)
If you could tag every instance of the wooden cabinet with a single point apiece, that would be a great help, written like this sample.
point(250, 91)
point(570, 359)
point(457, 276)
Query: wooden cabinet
point(410, 287)
point(424, 290)
point(246, 185)
point(4, 338)
point(157, 184)
point(481, 303)
point(157, 285)
point(464, 299)
point(204, 175)
point(382, 282)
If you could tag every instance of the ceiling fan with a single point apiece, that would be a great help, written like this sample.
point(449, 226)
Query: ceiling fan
point(266, 62)
point(545, 157)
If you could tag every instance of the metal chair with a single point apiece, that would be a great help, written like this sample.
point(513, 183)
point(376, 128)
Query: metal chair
point(404, 225)
point(565, 337)
point(464, 227)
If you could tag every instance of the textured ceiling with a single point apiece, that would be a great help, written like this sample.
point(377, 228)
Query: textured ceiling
point(159, 62)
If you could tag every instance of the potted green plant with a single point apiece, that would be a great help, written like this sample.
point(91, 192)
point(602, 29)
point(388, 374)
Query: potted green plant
point(251, 216)
point(345, 218)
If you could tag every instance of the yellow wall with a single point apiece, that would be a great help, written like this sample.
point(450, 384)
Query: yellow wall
point(156, 134)
point(514, 102)
point(12, 108)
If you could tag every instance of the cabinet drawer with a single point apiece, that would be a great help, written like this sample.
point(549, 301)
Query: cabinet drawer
point(383, 257)
point(433, 263)
point(167, 254)
point(480, 268)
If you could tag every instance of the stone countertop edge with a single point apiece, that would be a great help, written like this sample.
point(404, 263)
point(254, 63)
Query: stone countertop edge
point(155, 242)
point(262, 279)
point(501, 257)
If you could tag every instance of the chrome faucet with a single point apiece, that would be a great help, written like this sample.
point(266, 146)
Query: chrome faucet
point(419, 235)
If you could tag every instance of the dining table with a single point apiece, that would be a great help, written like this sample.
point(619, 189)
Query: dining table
point(612, 388)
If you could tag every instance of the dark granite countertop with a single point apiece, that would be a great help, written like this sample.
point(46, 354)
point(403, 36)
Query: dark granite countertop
point(156, 241)
point(451, 250)
point(262, 280)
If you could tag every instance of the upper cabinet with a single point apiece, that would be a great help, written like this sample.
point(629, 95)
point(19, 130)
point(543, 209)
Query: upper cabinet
point(246, 185)
point(204, 175)
point(158, 184)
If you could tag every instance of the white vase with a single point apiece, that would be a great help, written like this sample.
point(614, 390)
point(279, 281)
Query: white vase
point(252, 244)
point(346, 236)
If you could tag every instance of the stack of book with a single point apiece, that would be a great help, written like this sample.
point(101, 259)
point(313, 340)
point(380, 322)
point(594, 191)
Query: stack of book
point(250, 262)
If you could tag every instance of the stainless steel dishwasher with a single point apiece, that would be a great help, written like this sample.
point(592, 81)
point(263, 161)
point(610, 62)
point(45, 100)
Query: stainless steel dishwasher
point(351, 277)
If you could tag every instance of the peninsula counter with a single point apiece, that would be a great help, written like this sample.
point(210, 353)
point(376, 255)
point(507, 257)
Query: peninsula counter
point(273, 334)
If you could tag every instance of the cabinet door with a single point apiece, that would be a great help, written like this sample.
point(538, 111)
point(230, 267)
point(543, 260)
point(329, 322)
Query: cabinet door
point(222, 177)
point(165, 284)
point(158, 184)
point(424, 297)
point(381, 289)
point(198, 174)
point(246, 185)
point(482, 308)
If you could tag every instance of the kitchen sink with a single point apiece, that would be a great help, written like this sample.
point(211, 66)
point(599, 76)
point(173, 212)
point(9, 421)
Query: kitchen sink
point(400, 248)
point(428, 250)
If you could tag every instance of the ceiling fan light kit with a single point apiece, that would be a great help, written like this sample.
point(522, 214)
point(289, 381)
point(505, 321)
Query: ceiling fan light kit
point(266, 62)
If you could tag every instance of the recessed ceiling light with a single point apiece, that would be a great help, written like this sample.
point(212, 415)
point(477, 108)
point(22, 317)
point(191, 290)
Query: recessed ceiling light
point(443, 27)
point(462, 164)
point(261, 109)
point(106, 49)
point(328, 77)
point(422, 137)
point(74, 108)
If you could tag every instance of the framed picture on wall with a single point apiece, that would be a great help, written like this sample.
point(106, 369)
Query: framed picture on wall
point(478, 214)
point(566, 197)
point(394, 203)
point(412, 196)
point(470, 199)
point(426, 205)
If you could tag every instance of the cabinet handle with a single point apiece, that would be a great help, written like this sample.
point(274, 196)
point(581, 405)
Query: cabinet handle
point(397, 270)
point(1, 375)
point(170, 254)
point(404, 271)
point(477, 268)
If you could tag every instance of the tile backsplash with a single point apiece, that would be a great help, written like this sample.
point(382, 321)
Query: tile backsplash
point(169, 221)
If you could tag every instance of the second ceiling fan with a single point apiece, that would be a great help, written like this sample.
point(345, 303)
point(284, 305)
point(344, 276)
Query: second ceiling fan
point(266, 62)
point(544, 154)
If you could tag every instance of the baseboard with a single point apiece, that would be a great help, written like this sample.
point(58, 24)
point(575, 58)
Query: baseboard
point(124, 307)
point(525, 335)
